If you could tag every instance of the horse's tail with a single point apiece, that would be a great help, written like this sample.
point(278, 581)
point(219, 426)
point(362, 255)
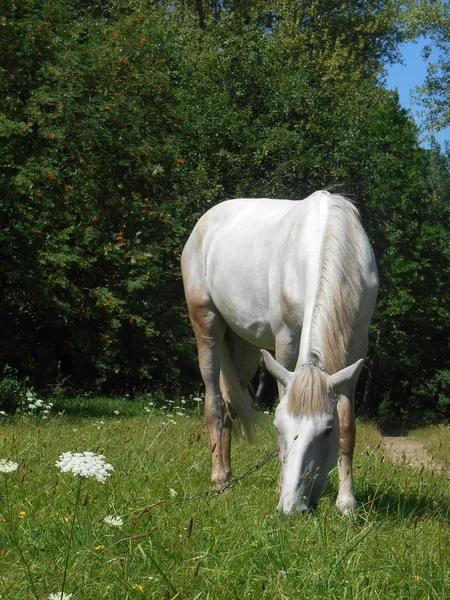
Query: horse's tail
point(237, 399)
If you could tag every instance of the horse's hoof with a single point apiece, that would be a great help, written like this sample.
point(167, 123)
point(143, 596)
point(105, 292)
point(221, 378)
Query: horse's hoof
point(346, 505)
point(219, 481)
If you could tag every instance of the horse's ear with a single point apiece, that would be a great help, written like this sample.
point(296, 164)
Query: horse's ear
point(345, 375)
point(280, 373)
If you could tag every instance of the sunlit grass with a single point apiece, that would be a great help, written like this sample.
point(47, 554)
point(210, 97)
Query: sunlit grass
point(229, 546)
point(436, 439)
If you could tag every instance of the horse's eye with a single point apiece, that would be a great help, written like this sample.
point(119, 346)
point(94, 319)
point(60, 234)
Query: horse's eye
point(328, 430)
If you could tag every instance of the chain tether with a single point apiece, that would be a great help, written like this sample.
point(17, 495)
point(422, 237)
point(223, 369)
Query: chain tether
point(230, 483)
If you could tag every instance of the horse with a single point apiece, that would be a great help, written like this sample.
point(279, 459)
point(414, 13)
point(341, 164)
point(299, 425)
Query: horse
point(297, 278)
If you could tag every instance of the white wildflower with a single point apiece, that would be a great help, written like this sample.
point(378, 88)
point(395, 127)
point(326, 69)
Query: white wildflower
point(173, 493)
point(60, 596)
point(2, 412)
point(113, 521)
point(116, 412)
point(198, 399)
point(86, 464)
point(7, 466)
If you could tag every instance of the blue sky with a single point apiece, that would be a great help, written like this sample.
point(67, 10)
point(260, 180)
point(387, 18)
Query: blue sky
point(406, 77)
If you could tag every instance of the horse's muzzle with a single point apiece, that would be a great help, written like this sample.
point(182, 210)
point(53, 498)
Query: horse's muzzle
point(285, 509)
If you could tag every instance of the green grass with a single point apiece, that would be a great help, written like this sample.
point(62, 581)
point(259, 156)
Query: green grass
point(436, 440)
point(395, 547)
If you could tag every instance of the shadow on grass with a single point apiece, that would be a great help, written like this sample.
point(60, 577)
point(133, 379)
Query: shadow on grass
point(401, 493)
point(97, 407)
point(405, 505)
point(104, 408)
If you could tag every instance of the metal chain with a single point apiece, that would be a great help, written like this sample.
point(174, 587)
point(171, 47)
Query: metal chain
point(230, 483)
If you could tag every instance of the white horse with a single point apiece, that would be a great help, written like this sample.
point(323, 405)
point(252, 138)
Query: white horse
point(298, 278)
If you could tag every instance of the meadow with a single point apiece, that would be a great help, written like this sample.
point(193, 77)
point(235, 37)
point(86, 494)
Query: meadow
point(232, 546)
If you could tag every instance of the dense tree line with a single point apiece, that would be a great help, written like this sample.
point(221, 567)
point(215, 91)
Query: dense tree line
point(122, 122)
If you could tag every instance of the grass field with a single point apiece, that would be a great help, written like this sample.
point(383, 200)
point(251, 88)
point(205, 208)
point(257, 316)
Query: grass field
point(231, 546)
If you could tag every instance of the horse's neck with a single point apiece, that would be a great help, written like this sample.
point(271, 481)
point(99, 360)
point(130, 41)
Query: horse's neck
point(328, 325)
point(305, 350)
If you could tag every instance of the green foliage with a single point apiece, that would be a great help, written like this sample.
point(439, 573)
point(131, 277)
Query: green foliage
point(89, 242)
point(431, 19)
point(299, 109)
point(121, 124)
point(436, 393)
point(12, 390)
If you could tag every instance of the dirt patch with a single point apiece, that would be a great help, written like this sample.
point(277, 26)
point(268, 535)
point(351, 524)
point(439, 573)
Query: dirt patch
point(403, 451)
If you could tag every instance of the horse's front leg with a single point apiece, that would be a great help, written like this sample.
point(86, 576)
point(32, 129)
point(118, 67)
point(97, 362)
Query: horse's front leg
point(209, 329)
point(346, 501)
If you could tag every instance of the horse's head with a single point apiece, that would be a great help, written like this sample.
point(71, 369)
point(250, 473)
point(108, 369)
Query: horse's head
point(308, 430)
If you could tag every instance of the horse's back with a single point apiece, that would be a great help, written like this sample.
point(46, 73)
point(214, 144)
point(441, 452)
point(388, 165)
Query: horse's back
point(236, 252)
point(226, 263)
point(257, 261)
point(247, 229)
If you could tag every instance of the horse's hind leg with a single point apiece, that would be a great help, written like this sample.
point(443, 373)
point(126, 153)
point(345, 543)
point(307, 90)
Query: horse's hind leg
point(245, 360)
point(209, 328)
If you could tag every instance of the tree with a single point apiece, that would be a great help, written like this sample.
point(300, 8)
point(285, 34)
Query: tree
point(297, 108)
point(431, 19)
point(121, 125)
point(89, 244)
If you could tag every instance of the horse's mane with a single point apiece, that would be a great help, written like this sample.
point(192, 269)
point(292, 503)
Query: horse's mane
point(339, 286)
point(309, 392)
